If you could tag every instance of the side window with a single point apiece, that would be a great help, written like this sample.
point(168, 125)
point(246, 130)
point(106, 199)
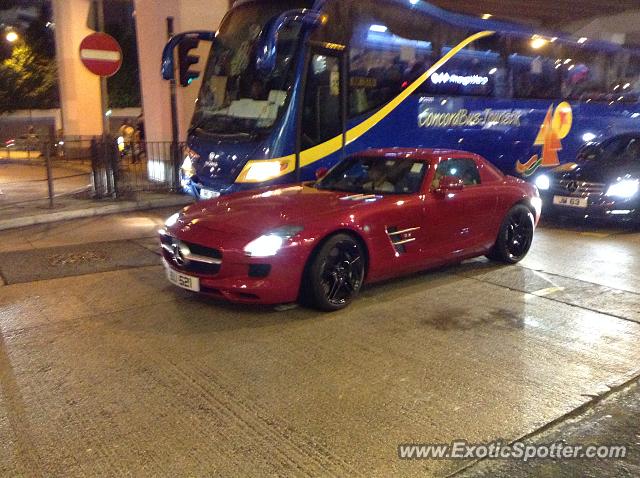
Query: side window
point(534, 69)
point(322, 109)
point(388, 50)
point(583, 73)
point(465, 169)
point(623, 78)
point(477, 70)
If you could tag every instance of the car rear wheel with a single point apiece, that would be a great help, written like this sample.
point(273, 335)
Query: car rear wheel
point(336, 273)
point(515, 236)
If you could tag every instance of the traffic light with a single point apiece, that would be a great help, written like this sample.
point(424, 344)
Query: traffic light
point(185, 60)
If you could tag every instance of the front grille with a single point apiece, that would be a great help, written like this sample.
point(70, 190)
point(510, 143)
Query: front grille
point(577, 188)
point(204, 251)
point(190, 258)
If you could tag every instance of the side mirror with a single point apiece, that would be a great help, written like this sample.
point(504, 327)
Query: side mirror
point(267, 51)
point(449, 184)
point(321, 173)
point(185, 42)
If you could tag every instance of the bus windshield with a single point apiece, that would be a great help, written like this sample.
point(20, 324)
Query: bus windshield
point(235, 98)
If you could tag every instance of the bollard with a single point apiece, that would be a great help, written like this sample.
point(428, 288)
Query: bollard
point(47, 153)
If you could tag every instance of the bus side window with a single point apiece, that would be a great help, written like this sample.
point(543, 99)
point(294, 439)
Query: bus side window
point(584, 73)
point(623, 78)
point(388, 50)
point(322, 109)
point(534, 69)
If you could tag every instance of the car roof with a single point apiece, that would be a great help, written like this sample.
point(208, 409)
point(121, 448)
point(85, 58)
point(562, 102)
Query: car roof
point(419, 154)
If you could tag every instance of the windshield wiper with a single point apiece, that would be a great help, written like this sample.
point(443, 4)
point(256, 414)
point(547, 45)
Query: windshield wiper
point(238, 136)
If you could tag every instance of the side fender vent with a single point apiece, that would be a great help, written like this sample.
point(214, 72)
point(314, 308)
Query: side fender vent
point(400, 238)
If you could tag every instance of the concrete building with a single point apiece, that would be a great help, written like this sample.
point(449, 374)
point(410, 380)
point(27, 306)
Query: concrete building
point(80, 89)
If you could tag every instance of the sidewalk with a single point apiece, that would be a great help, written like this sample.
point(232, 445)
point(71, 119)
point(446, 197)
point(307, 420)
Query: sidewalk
point(38, 212)
point(23, 193)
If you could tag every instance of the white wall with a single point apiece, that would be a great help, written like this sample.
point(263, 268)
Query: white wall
point(152, 35)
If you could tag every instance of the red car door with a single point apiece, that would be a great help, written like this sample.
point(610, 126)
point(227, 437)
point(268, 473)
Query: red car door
point(459, 220)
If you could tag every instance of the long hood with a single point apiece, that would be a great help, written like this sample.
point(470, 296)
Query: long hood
point(260, 211)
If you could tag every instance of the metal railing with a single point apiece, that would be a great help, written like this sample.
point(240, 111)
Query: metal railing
point(87, 168)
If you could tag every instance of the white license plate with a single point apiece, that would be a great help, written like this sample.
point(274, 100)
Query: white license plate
point(570, 202)
point(182, 280)
point(208, 194)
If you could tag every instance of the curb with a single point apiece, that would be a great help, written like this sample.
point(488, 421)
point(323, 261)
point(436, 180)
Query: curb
point(129, 206)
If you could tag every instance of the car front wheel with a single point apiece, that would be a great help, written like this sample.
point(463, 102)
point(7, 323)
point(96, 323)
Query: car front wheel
point(515, 236)
point(336, 273)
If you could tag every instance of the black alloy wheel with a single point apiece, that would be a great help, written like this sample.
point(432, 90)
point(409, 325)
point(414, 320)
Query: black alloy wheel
point(336, 274)
point(515, 236)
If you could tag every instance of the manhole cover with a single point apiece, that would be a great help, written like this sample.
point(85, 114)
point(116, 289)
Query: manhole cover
point(76, 258)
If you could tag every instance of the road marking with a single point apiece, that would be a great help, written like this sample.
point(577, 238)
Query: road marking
point(598, 235)
point(548, 291)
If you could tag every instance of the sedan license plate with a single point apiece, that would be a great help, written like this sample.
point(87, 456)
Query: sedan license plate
point(208, 194)
point(570, 202)
point(182, 280)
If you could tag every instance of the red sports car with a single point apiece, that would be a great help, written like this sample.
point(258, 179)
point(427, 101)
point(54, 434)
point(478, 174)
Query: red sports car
point(376, 215)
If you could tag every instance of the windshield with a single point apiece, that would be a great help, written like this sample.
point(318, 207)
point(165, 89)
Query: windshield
point(237, 99)
point(623, 148)
point(376, 175)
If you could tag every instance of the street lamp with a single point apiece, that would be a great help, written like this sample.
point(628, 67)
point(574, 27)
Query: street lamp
point(12, 37)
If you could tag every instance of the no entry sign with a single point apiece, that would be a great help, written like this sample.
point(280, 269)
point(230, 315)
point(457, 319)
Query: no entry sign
point(101, 54)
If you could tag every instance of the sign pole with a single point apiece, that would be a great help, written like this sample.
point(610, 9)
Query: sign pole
point(174, 116)
point(104, 92)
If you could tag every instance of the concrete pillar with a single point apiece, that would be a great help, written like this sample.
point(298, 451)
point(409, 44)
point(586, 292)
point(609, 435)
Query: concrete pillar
point(152, 35)
point(79, 88)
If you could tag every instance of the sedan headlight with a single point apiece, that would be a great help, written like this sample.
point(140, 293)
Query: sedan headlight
point(626, 189)
point(172, 220)
point(269, 244)
point(543, 182)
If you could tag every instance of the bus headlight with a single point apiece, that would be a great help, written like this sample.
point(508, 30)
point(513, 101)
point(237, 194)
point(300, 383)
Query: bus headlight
point(543, 182)
point(625, 189)
point(188, 166)
point(269, 244)
point(259, 171)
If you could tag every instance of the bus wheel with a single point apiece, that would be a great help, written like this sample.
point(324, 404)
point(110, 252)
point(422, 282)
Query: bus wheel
point(515, 236)
point(336, 273)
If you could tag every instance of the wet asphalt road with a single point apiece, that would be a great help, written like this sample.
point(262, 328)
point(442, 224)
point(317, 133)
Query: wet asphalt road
point(107, 370)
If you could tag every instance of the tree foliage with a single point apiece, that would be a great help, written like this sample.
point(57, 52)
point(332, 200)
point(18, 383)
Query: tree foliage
point(28, 80)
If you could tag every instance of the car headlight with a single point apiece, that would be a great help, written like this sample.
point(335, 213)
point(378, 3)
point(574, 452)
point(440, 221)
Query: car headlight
point(269, 244)
point(172, 220)
point(543, 182)
point(626, 188)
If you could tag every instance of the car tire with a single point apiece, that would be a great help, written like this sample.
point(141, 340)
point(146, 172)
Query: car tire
point(515, 236)
point(336, 273)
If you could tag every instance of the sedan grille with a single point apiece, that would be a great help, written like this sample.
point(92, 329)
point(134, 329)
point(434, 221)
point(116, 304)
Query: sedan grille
point(577, 188)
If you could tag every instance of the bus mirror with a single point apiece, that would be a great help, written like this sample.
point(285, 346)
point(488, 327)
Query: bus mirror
point(185, 42)
point(267, 51)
